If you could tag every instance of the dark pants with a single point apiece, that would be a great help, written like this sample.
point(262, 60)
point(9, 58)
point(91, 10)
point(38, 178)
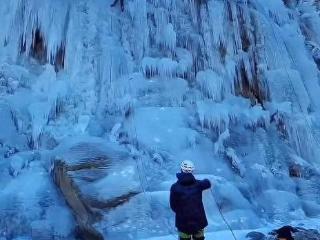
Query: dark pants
point(121, 4)
point(198, 236)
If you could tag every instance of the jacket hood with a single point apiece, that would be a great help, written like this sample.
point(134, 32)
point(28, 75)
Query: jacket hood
point(186, 178)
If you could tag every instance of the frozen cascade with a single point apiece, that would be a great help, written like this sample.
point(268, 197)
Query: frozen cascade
point(123, 97)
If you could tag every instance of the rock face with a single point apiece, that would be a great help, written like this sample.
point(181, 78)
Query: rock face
point(307, 234)
point(82, 212)
point(41, 230)
point(256, 236)
point(298, 234)
point(87, 210)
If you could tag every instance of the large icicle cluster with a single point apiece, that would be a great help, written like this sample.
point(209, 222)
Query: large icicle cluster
point(36, 29)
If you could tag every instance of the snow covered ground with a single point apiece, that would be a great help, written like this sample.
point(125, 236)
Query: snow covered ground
point(231, 84)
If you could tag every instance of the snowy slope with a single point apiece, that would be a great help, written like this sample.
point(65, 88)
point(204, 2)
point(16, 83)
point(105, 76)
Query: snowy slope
point(231, 84)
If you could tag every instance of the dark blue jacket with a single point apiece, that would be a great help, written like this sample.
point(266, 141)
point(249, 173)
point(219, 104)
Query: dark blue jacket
point(186, 202)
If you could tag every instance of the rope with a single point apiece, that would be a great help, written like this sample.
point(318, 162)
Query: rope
point(143, 171)
point(222, 216)
point(171, 232)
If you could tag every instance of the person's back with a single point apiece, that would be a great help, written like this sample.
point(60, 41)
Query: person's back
point(186, 202)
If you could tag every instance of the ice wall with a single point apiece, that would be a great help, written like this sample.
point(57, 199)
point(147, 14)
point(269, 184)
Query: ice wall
point(231, 85)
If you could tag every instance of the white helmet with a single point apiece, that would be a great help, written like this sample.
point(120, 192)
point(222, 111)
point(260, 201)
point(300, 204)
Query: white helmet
point(187, 166)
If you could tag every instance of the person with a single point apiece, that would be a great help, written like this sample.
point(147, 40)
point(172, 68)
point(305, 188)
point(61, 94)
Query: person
point(186, 202)
point(121, 4)
point(285, 233)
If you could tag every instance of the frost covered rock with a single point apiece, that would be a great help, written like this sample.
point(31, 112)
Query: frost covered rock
point(307, 234)
point(311, 208)
point(17, 164)
point(243, 219)
point(64, 227)
point(299, 234)
point(281, 205)
point(82, 123)
point(158, 131)
point(219, 145)
point(10, 151)
point(235, 161)
point(47, 141)
point(41, 230)
point(256, 236)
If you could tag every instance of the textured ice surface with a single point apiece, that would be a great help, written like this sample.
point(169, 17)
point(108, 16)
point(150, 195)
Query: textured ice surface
point(231, 85)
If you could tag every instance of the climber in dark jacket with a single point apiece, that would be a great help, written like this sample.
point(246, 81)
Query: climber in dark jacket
point(186, 202)
point(121, 4)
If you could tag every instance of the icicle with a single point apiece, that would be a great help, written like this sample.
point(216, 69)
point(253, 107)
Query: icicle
point(138, 12)
point(217, 15)
point(185, 61)
point(303, 139)
point(235, 161)
point(213, 116)
point(39, 113)
point(211, 84)
point(39, 28)
point(167, 67)
point(257, 117)
point(217, 116)
point(276, 10)
point(219, 144)
point(169, 37)
point(164, 67)
point(290, 81)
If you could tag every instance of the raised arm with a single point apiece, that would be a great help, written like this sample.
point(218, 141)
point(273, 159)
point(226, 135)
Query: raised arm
point(204, 184)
